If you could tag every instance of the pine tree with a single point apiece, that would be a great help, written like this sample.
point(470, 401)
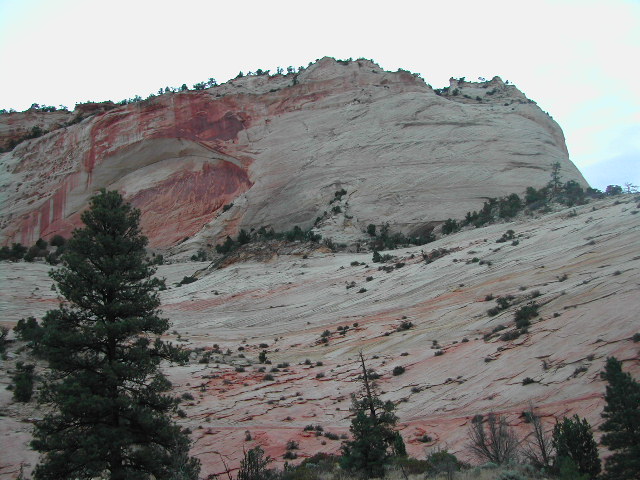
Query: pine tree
point(374, 438)
point(573, 439)
point(110, 407)
point(621, 422)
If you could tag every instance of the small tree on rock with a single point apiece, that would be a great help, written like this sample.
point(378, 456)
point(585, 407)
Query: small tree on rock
point(374, 438)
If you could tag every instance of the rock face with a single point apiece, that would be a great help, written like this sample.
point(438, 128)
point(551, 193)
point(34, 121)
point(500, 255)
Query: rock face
point(278, 148)
point(581, 266)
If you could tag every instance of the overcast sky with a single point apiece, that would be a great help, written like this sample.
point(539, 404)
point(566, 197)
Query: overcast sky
point(577, 59)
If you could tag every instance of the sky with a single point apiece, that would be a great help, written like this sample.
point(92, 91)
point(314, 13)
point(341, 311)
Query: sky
point(577, 59)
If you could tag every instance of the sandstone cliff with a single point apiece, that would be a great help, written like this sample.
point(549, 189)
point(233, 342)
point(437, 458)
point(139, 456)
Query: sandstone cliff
point(581, 266)
point(278, 147)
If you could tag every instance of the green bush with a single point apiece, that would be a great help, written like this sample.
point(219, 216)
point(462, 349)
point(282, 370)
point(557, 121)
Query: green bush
point(23, 382)
point(573, 439)
point(450, 226)
point(525, 313)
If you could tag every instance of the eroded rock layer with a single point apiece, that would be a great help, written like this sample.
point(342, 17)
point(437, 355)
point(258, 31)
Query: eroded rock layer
point(278, 147)
point(581, 266)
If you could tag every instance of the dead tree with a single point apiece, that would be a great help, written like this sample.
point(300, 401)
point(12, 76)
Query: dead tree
point(538, 449)
point(493, 440)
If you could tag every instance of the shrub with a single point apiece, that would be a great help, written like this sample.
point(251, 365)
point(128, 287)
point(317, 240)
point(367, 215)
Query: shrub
point(371, 230)
point(573, 439)
point(504, 302)
point(405, 325)
point(450, 226)
point(262, 356)
point(268, 378)
point(512, 335)
point(332, 436)
point(23, 382)
point(442, 461)
point(186, 280)
point(511, 475)
point(399, 370)
point(524, 313)
point(4, 333)
point(293, 445)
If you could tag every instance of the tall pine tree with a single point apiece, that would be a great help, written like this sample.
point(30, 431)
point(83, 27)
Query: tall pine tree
point(110, 403)
point(621, 422)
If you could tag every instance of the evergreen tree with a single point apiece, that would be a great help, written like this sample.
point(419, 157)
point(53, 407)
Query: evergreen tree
point(374, 438)
point(621, 422)
point(573, 439)
point(110, 407)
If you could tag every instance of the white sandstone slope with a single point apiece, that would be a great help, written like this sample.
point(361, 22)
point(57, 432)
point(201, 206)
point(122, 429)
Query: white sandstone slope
point(580, 265)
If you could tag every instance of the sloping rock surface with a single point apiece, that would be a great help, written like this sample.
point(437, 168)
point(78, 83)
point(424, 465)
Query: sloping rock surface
point(580, 265)
point(278, 147)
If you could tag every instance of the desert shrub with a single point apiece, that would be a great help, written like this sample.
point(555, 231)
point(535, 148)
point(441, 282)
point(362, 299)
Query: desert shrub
point(442, 461)
point(512, 335)
point(268, 378)
point(411, 466)
point(525, 313)
point(332, 436)
point(450, 226)
point(186, 280)
point(511, 475)
point(504, 302)
point(28, 330)
point(508, 235)
point(23, 381)
point(399, 370)
point(405, 325)
point(509, 206)
point(253, 466)
point(200, 256)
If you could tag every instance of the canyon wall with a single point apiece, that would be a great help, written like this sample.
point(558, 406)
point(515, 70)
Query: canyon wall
point(278, 147)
